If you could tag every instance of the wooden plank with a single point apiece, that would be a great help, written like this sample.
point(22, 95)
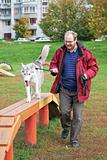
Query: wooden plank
point(4, 135)
point(2, 153)
point(6, 121)
point(30, 108)
point(27, 109)
point(29, 112)
point(21, 108)
point(7, 111)
point(55, 99)
point(34, 108)
point(11, 107)
point(14, 131)
point(35, 102)
point(23, 111)
point(26, 112)
point(45, 101)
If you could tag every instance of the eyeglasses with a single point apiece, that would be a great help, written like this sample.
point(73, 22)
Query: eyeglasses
point(69, 42)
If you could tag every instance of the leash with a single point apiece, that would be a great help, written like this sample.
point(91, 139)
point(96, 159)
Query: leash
point(38, 63)
point(42, 69)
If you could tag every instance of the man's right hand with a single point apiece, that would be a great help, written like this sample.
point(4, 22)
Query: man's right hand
point(54, 71)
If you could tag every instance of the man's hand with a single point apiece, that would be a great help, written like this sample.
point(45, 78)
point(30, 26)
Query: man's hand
point(83, 78)
point(54, 71)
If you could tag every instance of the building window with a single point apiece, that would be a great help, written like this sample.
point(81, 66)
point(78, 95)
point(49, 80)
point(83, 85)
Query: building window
point(33, 0)
point(17, 11)
point(7, 36)
point(17, 1)
point(44, 0)
point(6, 1)
point(33, 20)
point(27, 1)
point(45, 3)
point(26, 9)
point(7, 23)
point(32, 9)
point(44, 9)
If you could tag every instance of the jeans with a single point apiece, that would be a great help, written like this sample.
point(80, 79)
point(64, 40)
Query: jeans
point(70, 113)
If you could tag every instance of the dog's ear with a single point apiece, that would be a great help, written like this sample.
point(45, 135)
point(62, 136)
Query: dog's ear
point(23, 65)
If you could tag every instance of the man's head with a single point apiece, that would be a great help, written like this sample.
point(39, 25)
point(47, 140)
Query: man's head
point(70, 39)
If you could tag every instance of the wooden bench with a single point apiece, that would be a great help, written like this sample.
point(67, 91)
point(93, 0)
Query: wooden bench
point(12, 117)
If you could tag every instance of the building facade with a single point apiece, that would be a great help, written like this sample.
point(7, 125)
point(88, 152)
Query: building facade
point(12, 10)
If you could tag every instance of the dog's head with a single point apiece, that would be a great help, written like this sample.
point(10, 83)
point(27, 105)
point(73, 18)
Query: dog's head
point(27, 72)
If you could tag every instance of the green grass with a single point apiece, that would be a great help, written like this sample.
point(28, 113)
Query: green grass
point(49, 146)
point(16, 53)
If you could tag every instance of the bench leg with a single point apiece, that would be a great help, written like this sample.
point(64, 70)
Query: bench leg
point(44, 116)
point(30, 130)
point(9, 154)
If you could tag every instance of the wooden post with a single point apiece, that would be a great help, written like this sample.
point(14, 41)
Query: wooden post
point(9, 154)
point(44, 116)
point(30, 130)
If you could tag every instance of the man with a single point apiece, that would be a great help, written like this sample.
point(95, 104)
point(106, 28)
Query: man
point(74, 66)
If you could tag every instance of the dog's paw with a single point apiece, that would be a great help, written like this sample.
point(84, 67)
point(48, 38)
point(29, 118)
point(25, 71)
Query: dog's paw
point(38, 96)
point(28, 100)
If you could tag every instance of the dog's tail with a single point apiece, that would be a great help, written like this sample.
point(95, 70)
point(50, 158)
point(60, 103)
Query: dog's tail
point(44, 53)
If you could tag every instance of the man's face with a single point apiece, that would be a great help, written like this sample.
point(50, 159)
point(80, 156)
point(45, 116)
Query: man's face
point(70, 42)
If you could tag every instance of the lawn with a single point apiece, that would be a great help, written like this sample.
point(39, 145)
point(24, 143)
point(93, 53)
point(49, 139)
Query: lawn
point(49, 145)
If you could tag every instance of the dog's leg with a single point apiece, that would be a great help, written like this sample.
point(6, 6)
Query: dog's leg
point(37, 91)
point(39, 84)
point(39, 94)
point(28, 94)
point(33, 91)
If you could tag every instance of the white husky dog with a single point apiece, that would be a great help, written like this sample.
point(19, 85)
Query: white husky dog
point(33, 75)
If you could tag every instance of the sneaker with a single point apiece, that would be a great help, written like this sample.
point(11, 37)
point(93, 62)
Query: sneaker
point(75, 144)
point(64, 134)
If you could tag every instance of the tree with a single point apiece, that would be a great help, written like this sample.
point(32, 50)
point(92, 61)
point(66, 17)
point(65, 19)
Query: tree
point(22, 28)
point(97, 19)
point(61, 17)
point(82, 25)
point(89, 21)
point(105, 7)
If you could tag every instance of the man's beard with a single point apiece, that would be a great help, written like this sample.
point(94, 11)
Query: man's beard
point(71, 48)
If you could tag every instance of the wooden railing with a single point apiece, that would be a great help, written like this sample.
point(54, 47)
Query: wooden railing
point(12, 117)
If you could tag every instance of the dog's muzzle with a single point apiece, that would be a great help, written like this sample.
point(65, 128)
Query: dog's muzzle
point(27, 83)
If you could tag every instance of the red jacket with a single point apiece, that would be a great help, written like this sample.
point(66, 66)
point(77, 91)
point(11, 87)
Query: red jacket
point(86, 63)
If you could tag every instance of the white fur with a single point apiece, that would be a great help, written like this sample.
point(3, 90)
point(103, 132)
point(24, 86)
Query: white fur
point(33, 75)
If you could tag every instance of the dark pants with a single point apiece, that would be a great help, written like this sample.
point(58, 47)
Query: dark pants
point(71, 113)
